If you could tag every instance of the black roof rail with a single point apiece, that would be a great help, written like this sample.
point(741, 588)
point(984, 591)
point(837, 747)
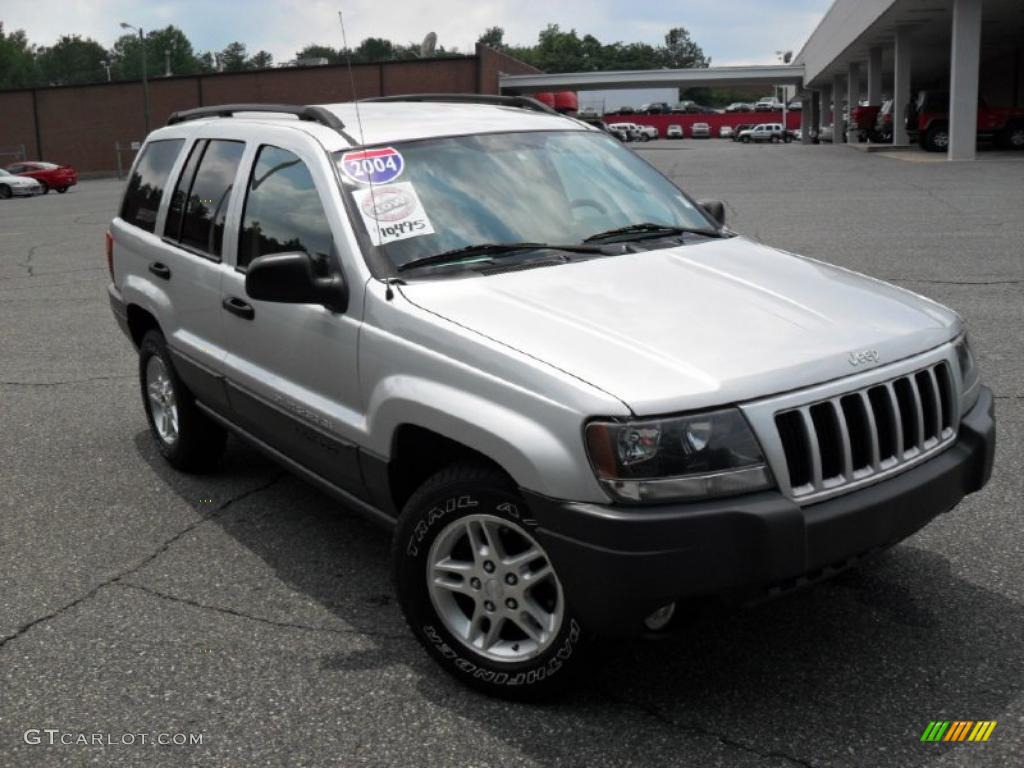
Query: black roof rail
point(312, 114)
point(523, 102)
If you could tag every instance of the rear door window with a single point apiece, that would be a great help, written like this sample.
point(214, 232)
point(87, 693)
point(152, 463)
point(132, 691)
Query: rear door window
point(199, 214)
point(146, 186)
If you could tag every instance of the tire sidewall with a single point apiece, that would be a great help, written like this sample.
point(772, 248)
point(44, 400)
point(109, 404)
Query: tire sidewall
point(420, 524)
point(153, 346)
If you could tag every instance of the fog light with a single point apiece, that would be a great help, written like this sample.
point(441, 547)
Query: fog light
point(658, 620)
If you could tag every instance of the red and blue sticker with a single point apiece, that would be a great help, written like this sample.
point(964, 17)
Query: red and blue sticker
point(373, 166)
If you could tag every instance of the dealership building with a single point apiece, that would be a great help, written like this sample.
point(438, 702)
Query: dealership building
point(869, 50)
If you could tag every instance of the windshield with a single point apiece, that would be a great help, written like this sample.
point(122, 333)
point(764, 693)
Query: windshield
point(424, 198)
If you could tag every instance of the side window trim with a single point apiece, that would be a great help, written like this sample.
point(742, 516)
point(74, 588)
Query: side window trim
point(199, 145)
point(175, 169)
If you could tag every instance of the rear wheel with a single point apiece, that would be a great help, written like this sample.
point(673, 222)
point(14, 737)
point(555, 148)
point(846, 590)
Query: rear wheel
point(479, 590)
point(937, 138)
point(62, 190)
point(745, 139)
point(186, 437)
point(1012, 136)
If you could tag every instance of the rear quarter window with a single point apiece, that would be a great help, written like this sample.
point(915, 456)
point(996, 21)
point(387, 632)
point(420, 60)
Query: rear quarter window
point(147, 183)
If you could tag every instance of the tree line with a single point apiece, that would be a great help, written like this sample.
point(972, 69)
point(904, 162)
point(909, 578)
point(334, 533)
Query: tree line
point(74, 60)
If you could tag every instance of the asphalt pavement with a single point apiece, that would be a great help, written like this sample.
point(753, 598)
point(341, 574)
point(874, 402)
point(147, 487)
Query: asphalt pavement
point(248, 612)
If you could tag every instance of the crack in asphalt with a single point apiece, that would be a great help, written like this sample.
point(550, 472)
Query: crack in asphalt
point(725, 740)
point(63, 383)
point(260, 619)
point(33, 274)
point(142, 563)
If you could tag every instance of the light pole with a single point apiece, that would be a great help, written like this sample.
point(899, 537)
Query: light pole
point(145, 82)
point(106, 65)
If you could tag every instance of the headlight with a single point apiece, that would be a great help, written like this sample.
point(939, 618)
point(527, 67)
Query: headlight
point(968, 374)
point(686, 457)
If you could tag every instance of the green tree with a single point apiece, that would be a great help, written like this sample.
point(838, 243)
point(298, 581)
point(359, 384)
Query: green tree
point(374, 49)
point(17, 60)
point(72, 61)
point(261, 60)
point(320, 52)
point(126, 54)
point(493, 37)
point(681, 52)
point(233, 58)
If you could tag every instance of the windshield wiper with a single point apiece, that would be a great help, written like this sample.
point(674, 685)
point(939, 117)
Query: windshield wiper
point(650, 229)
point(494, 249)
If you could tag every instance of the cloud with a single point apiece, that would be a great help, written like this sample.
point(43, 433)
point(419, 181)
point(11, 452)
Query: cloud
point(731, 32)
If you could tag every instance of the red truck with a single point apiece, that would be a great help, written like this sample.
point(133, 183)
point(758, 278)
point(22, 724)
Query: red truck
point(928, 122)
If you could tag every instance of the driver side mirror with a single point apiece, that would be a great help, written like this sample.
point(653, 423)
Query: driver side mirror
point(715, 209)
point(290, 278)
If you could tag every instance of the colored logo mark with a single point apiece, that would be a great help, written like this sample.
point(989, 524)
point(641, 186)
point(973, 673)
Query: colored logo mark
point(958, 730)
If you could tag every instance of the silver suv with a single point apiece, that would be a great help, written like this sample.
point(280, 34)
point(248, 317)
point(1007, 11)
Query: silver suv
point(575, 397)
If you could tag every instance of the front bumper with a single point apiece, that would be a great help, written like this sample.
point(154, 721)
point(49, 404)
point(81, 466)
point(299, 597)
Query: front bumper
point(619, 563)
point(26, 191)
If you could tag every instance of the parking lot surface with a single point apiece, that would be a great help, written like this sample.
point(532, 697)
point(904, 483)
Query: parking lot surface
point(249, 609)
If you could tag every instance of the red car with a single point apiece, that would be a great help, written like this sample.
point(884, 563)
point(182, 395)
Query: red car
point(50, 175)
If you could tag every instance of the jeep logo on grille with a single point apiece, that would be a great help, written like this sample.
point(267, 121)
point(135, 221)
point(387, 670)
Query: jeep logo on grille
point(864, 357)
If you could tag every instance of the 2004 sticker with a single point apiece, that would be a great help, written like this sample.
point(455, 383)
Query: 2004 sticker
point(373, 166)
point(392, 213)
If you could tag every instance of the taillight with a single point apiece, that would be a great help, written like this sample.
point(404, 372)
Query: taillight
point(110, 254)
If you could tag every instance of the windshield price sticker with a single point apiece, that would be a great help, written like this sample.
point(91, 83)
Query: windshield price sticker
point(373, 166)
point(392, 213)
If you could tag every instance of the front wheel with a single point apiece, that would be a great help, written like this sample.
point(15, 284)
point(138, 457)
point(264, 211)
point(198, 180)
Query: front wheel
point(1012, 137)
point(5, 192)
point(45, 186)
point(745, 139)
point(62, 190)
point(479, 590)
point(937, 138)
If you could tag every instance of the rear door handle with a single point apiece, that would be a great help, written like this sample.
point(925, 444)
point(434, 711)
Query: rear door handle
point(238, 307)
point(160, 270)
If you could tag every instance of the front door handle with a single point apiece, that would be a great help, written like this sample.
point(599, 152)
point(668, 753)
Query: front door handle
point(160, 270)
point(238, 307)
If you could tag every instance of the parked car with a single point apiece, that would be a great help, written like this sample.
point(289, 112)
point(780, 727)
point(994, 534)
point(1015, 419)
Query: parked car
point(773, 132)
point(928, 122)
point(767, 104)
point(685, 107)
point(700, 131)
point(739, 106)
point(646, 132)
point(12, 185)
point(883, 124)
point(863, 119)
point(826, 133)
point(795, 105)
point(624, 110)
point(740, 129)
point(674, 131)
point(726, 132)
point(656, 108)
point(623, 131)
point(49, 175)
point(466, 327)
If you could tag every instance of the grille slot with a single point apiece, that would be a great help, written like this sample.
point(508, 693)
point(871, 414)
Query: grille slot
point(871, 431)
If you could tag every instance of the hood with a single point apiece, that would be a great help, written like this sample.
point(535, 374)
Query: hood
point(708, 324)
point(19, 181)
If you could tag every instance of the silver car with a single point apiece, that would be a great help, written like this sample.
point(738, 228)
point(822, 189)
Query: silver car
point(574, 397)
point(18, 186)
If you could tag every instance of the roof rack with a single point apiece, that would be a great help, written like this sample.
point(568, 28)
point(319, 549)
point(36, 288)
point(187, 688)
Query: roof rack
point(312, 114)
point(523, 102)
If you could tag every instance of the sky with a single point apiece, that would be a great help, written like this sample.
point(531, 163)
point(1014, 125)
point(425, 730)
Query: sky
point(730, 31)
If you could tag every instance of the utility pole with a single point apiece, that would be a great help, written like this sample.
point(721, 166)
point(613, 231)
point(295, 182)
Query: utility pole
point(167, 62)
point(145, 81)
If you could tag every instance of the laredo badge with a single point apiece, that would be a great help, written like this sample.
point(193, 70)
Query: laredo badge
point(373, 166)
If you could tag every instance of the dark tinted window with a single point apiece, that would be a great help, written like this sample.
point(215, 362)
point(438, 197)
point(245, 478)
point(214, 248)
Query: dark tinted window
point(202, 224)
point(176, 208)
point(146, 186)
point(282, 210)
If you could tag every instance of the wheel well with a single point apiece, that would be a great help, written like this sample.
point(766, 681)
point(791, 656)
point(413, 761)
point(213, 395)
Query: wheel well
point(419, 453)
point(140, 322)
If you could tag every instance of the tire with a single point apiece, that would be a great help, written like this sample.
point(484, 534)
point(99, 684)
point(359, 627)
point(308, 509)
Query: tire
point(45, 186)
point(644, 137)
point(775, 139)
point(453, 622)
point(1012, 136)
point(62, 190)
point(185, 436)
point(5, 192)
point(937, 138)
point(745, 139)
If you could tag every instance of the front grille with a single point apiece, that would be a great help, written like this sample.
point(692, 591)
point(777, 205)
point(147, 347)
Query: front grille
point(870, 431)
